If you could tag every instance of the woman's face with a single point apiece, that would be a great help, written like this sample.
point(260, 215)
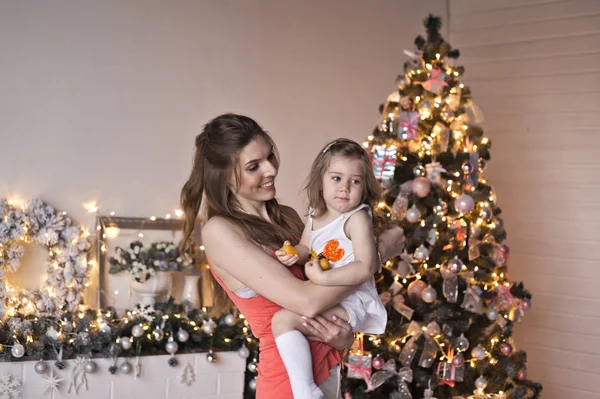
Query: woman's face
point(257, 168)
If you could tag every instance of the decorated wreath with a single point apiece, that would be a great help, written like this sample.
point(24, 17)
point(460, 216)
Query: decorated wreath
point(67, 266)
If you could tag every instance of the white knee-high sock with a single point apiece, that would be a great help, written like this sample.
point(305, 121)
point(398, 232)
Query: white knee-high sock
point(295, 353)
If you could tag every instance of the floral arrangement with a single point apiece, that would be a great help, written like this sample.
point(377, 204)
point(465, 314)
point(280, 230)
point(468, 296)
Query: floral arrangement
point(143, 262)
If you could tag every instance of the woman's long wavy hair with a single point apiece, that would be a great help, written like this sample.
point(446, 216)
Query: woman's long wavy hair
point(215, 160)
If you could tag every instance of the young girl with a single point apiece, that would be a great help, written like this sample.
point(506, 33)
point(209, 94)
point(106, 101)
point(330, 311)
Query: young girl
point(338, 243)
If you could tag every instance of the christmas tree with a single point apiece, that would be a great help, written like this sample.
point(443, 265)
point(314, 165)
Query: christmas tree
point(451, 306)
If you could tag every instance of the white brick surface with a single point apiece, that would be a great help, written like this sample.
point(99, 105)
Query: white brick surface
point(221, 380)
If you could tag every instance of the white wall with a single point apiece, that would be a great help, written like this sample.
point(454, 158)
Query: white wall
point(101, 100)
point(533, 68)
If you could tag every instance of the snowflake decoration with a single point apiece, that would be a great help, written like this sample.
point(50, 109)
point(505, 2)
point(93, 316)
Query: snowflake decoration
point(9, 387)
point(146, 312)
point(52, 383)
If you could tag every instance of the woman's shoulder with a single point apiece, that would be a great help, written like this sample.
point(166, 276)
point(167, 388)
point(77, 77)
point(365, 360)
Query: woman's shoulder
point(216, 226)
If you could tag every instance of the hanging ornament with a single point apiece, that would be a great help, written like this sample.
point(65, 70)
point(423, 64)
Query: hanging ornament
point(481, 382)
point(462, 343)
point(436, 81)
point(211, 357)
point(425, 109)
point(187, 376)
point(450, 285)
point(464, 203)
point(522, 374)
point(253, 366)
point(401, 82)
point(126, 367)
point(421, 253)
point(492, 314)
point(171, 346)
point(173, 362)
point(455, 265)
point(408, 125)
point(112, 369)
point(383, 160)
point(208, 327)
point(41, 367)
point(441, 208)
point(104, 327)
point(421, 186)
point(481, 164)
point(79, 375)
point(229, 320)
point(91, 367)
point(413, 214)
point(60, 364)
point(467, 167)
point(434, 172)
point(486, 213)
point(526, 304)
point(17, 350)
point(475, 230)
point(432, 237)
point(182, 335)
point(243, 352)
point(125, 343)
point(449, 372)
point(478, 352)
point(458, 360)
point(52, 333)
point(429, 295)
point(419, 171)
point(447, 114)
point(506, 348)
point(158, 334)
point(252, 384)
point(378, 362)
point(137, 330)
point(473, 302)
point(399, 207)
point(415, 289)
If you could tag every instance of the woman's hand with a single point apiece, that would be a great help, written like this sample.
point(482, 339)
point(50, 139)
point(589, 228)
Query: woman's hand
point(336, 333)
point(390, 243)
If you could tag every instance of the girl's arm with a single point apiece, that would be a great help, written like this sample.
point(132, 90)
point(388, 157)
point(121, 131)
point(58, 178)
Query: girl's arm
point(359, 229)
point(230, 250)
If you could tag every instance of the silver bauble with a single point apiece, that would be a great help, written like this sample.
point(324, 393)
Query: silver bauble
point(40, 367)
point(125, 343)
point(478, 352)
point(462, 343)
point(229, 320)
point(475, 231)
point(252, 367)
point(481, 165)
point(158, 334)
point(421, 186)
point(126, 367)
point(441, 208)
point(182, 335)
point(464, 203)
point(467, 167)
point(171, 346)
point(137, 330)
point(492, 314)
point(455, 265)
point(401, 82)
point(419, 171)
point(429, 295)
point(17, 350)
point(91, 367)
point(208, 327)
point(413, 214)
point(243, 352)
point(211, 357)
point(104, 327)
point(486, 213)
point(422, 252)
point(481, 382)
point(252, 384)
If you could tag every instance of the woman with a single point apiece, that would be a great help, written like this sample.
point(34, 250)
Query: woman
point(233, 176)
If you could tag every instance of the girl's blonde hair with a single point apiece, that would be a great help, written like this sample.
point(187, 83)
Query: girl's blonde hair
point(350, 149)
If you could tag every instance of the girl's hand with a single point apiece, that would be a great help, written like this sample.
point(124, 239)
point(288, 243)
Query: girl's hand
point(335, 333)
point(285, 257)
point(314, 273)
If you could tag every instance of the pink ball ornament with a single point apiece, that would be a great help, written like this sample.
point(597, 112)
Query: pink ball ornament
point(421, 186)
point(464, 203)
point(522, 374)
point(506, 349)
point(378, 362)
point(415, 289)
point(458, 360)
point(526, 304)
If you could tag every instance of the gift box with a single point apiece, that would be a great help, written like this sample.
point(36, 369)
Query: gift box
point(451, 373)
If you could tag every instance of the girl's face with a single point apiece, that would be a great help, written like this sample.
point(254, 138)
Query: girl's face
point(257, 168)
point(343, 184)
